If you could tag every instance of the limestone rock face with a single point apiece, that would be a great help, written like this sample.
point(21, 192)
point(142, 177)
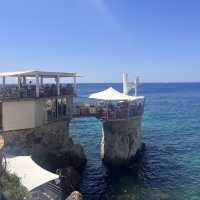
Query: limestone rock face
point(75, 196)
point(121, 140)
point(52, 148)
point(50, 142)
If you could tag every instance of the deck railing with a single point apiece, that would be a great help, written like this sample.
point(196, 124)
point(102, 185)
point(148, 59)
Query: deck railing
point(29, 91)
point(120, 114)
point(110, 112)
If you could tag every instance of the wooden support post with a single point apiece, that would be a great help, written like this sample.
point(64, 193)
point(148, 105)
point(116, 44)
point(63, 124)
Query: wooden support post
point(19, 82)
point(41, 80)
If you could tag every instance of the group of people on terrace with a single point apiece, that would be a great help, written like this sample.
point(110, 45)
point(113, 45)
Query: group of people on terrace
point(29, 90)
point(111, 110)
point(59, 108)
point(121, 110)
point(117, 105)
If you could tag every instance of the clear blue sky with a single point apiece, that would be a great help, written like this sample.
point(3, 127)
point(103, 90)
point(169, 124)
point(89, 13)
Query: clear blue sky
point(159, 40)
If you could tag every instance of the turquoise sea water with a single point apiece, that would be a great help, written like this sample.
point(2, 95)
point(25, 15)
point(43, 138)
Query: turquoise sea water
point(170, 166)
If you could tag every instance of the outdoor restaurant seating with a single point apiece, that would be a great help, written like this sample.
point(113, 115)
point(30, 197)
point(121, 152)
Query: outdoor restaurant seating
point(118, 111)
point(29, 91)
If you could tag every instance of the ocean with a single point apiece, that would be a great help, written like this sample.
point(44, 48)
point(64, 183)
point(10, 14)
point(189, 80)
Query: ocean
point(170, 166)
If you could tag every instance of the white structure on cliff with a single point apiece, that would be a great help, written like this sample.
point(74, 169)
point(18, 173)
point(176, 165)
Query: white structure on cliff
point(121, 115)
point(26, 105)
point(34, 120)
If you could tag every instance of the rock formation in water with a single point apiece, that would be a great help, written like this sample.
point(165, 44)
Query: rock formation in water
point(121, 140)
point(70, 179)
point(75, 196)
point(50, 142)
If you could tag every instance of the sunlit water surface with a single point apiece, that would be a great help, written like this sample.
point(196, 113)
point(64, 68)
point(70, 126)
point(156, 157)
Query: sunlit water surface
point(170, 167)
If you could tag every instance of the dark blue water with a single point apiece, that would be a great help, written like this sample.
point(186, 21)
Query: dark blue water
point(170, 166)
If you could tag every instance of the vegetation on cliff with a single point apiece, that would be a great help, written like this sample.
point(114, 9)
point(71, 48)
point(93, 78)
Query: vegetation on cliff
point(11, 188)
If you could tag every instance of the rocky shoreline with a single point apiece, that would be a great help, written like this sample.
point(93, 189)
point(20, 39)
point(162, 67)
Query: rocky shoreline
point(52, 148)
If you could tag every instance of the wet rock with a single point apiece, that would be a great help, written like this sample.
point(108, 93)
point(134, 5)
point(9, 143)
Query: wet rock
point(75, 196)
point(70, 179)
point(68, 156)
point(50, 143)
point(59, 147)
point(52, 148)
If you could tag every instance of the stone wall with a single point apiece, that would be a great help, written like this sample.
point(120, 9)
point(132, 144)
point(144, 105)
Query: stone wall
point(50, 142)
point(121, 140)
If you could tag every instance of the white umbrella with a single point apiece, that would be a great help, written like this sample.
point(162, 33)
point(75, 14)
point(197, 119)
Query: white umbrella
point(31, 174)
point(111, 94)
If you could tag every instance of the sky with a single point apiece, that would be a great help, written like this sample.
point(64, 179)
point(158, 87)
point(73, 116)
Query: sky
point(158, 40)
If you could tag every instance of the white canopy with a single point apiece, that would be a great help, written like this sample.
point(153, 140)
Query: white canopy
point(111, 94)
point(33, 73)
point(31, 174)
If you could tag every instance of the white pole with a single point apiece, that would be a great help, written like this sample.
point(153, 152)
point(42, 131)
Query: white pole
point(125, 83)
point(19, 86)
point(41, 80)
point(37, 86)
point(4, 82)
point(136, 86)
point(75, 85)
point(19, 81)
point(58, 85)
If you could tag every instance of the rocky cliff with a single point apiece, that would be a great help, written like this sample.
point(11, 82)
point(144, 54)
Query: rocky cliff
point(50, 142)
point(121, 140)
point(52, 148)
point(75, 196)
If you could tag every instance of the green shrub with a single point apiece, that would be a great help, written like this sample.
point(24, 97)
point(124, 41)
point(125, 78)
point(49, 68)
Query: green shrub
point(11, 187)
